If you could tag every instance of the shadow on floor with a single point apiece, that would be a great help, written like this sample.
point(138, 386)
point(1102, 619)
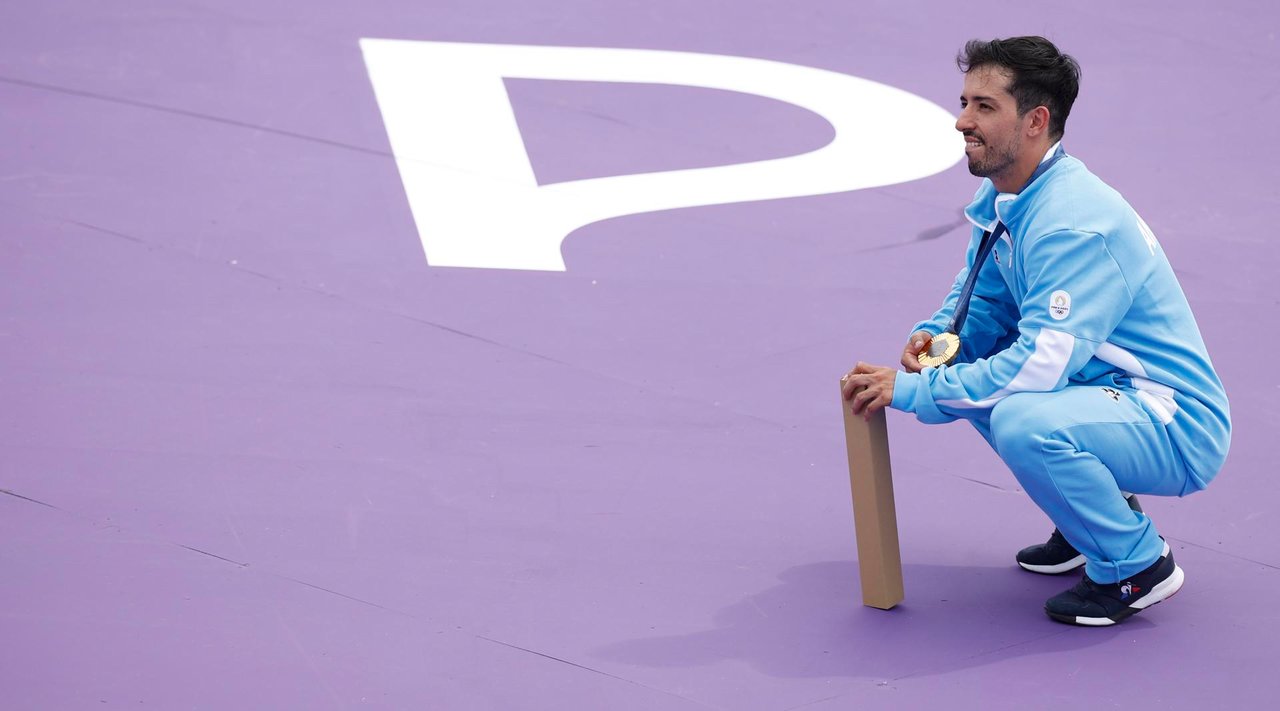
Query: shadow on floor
point(812, 625)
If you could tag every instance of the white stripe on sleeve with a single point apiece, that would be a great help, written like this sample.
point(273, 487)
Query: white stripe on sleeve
point(1040, 373)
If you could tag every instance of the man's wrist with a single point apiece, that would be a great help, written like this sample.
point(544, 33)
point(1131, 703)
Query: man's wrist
point(904, 391)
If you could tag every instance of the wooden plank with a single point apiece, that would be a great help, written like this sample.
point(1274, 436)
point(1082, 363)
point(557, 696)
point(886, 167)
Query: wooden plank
point(874, 516)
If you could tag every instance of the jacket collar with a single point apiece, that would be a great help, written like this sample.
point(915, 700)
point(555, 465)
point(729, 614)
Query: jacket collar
point(990, 205)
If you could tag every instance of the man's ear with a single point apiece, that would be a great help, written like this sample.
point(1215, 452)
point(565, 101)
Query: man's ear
point(1039, 122)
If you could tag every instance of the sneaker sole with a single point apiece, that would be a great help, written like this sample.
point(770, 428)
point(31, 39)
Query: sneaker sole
point(1165, 590)
point(1058, 569)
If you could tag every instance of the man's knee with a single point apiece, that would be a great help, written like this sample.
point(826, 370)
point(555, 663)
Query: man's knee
point(1020, 423)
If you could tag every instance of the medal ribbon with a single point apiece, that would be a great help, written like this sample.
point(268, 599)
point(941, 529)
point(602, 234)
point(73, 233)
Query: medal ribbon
point(962, 303)
point(984, 248)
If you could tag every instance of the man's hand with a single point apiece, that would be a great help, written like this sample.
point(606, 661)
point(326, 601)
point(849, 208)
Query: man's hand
point(917, 344)
point(870, 387)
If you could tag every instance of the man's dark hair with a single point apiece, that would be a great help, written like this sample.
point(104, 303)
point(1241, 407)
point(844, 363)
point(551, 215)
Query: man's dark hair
point(1042, 76)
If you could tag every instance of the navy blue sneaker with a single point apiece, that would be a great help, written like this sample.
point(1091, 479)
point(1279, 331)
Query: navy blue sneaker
point(1056, 556)
point(1098, 605)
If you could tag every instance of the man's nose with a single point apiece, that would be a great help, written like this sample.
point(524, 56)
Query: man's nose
point(964, 122)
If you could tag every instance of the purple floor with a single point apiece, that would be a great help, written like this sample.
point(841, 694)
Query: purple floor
point(256, 452)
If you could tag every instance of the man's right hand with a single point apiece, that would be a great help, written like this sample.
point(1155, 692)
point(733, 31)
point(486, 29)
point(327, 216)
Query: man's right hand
point(916, 344)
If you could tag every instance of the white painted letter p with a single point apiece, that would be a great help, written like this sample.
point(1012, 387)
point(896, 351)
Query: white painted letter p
point(472, 189)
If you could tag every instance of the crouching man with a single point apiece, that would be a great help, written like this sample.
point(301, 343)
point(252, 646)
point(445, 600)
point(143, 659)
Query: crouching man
point(1066, 341)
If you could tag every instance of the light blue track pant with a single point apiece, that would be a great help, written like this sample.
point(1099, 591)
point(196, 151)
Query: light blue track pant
point(1074, 451)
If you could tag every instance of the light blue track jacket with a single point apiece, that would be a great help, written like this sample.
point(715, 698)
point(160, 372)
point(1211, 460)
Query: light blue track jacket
point(1078, 291)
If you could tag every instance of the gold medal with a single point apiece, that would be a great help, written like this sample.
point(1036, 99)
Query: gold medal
point(943, 349)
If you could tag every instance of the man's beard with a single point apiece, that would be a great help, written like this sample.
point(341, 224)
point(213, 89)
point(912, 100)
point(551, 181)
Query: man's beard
point(997, 159)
